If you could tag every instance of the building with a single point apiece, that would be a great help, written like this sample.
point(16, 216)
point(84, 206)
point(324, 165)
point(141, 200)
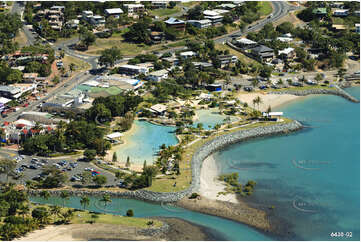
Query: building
point(97, 20)
point(158, 75)
point(171, 60)
point(228, 6)
point(214, 16)
point(272, 116)
point(340, 12)
point(187, 54)
point(175, 23)
point(132, 70)
point(245, 43)
point(113, 12)
point(227, 59)
point(357, 28)
point(338, 27)
point(320, 12)
point(134, 8)
point(73, 23)
point(202, 65)
point(216, 87)
point(58, 8)
point(159, 109)
point(156, 37)
point(200, 24)
point(86, 15)
point(288, 53)
point(262, 53)
point(30, 77)
point(159, 4)
point(10, 92)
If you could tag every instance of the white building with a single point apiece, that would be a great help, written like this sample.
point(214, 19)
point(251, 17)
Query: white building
point(158, 75)
point(97, 20)
point(188, 54)
point(114, 12)
point(86, 15)
point(341, 12)
point(132, 70)
point(159, 4)
point(134, 8)
point(201, 24)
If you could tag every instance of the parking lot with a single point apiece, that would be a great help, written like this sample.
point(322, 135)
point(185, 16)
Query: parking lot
point(30, 168)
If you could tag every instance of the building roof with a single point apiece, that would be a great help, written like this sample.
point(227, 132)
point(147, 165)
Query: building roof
point(203, 64)
point(132, 67)
point(319, 11)
point(114, 135)
point(227, 5)
point(30, 75)
point(131, 5)
point(220, 11)
point(159, 108)
point(262, 48)
point(188, 53)
point(284, 39)
point(158, 73)
point(246, 41)
point(286, 51)
point(11, 89)
point(4, 100)
point(202, 21)
point(210, 13)
point(113, 11)
point(273, 114)
point(174, 21)
point(338, 26)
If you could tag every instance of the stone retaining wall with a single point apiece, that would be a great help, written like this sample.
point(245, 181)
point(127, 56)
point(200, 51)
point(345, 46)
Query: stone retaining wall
point(199, 156)
point(338, 91)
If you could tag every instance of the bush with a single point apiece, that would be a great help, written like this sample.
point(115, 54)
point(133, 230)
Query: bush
point(130, 213)
point(194, 195)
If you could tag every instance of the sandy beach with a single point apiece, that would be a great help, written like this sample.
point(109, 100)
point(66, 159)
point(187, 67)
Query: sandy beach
point(273, 100)
point(210, 185)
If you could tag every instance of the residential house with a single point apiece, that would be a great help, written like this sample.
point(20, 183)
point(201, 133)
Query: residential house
point(200, 24)
point(228, 6)
point(262, 53)
point(157, 76)
point(202, 65)
point(156, 37)
point(227, 59)
point(132, 70)
point(159, 4)
point(245, 43)
point(215, 87)
point(321, 12)
point(338, 27)
point(113, 12)
point(10, 92)
point(86, 15)
point(134, 8)
point(171, 60)
point(288, 53)
point(97, 20)
point(73, 23)
point(285, 39)
point(159, 109)
point(58, 8)
point(30, 77)
point(357, 28)
point(187, 54)
point(340, 12)
point(215, 17)
point(356, 13)
point(175, 23)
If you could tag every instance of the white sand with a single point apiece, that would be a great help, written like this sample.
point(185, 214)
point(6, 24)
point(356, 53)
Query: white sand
point(273, 100)
point(50, 233)
point(210, 185)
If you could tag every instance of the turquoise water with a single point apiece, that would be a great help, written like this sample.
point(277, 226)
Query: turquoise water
point(223, 228)
point(210, 117)
point(145, 141)
point(311, 177)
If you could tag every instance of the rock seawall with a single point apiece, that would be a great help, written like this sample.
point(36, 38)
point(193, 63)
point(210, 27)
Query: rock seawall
point(337, 91)
point(198, 157)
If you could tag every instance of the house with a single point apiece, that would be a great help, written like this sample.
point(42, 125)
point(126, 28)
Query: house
point(58, 8)
point(175, 23)
point(157, 76)
point(357, 28)
point(341, 12)
point(113, 12)
point(159, 4)
point(158, 109)
point(132, 70)
point(273, 116)
point(202, 65)
point(356, 13)
point(10, 92)
point(171, 60)
point(200, 24)
point(285, 39)
point(215, 17)
point(338, 27)
point(221, 11)
point(73, 23)
point(205, 96)
point(86, 15)
point(97, 20)
point(245, 43)
point(262, 53)
point(288, 53)
point(216, 87)
point(187, 54)
point(227, 59)
point(320, 12)
point(30, 77)
point(156, 37)
point(134, 8)
point(228, 6)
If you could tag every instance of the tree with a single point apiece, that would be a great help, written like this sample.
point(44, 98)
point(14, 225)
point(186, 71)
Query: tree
point(67, 216)
point(108, 57)
point(72, 67)
point(130, 213)
point(106, 199)
point(64, 195)
point(138, 33)
point(45, 195)
point(86, 177)
point(6, 167)
point(55, 210)
point(127, 164)
point(41, 214)
point(115, 158)
point(84, 201)
point(90, 154)
point(100, 180)
point(87, 38)
point(318, 77)
point(144, 164)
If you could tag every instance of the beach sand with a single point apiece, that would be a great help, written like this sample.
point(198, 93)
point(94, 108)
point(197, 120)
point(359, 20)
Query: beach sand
point(273, 100)
point(210, 185)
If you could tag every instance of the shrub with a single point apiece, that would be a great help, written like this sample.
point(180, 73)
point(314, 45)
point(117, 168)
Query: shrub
point(194, 195)
point(130, 213)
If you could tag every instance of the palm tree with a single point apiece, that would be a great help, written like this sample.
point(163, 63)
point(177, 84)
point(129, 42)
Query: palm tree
point(6, 167)
point(45, 195)
point(24, 209)
point(68, 215)
point(259, 101)
point(106, 199)
point(84, 201)
point(71, 67)
point(254, 101)
point(65, 196)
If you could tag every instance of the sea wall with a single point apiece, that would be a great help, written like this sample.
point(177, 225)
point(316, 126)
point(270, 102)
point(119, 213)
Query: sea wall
point(337, 91)
point(198, 157)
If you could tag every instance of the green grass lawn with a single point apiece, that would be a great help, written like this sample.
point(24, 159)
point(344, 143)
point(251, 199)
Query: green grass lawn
point(265, 8)
point(82, 217)
point(165, 12)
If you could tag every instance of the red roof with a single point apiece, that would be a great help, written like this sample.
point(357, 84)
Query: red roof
point(25, 131)
point(49, 128)
point(6, 123)
point(34, 131)
point(20, 125)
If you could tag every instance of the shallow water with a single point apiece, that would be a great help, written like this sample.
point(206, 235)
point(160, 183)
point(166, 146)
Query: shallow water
point(210, 117)
point(312, 177)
